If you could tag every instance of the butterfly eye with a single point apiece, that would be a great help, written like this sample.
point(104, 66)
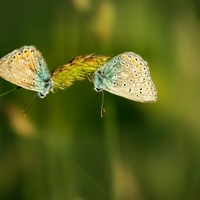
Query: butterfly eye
point(41, 95)
point(98, 89)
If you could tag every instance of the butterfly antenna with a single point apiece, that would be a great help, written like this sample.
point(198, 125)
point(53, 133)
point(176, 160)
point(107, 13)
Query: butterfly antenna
point(10, 91)
point(28, 105)
point(103, 110)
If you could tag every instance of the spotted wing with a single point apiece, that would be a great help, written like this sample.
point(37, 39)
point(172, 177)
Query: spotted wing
point(129, 78)
point(25, 67)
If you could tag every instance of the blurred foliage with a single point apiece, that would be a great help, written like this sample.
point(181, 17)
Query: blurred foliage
point(63, 149)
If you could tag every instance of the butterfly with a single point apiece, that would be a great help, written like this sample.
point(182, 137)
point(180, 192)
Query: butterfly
point(126, 75)
point(26, 68)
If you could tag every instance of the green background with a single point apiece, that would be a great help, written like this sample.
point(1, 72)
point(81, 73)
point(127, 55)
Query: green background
point(63, 149)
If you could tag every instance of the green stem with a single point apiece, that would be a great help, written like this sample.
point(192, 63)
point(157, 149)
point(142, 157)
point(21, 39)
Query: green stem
point(10, 91)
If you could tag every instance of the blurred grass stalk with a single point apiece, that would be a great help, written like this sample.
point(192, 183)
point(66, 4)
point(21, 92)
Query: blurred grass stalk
point(122, 185)
point(101, 18)
point(112, 146)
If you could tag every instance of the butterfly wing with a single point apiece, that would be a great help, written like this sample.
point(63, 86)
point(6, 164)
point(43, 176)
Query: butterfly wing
point(26, 67)
point(128, 75)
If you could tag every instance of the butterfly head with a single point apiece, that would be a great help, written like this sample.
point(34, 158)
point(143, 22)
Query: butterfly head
point(98, 80)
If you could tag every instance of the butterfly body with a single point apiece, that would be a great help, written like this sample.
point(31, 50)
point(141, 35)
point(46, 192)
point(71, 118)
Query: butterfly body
point(126, 75)
point(27, 68)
